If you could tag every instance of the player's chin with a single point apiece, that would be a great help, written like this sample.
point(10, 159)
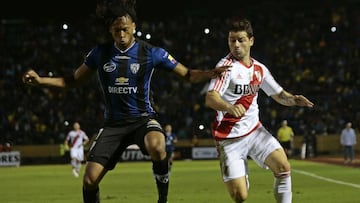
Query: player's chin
point(123, 43)
point(238, 54)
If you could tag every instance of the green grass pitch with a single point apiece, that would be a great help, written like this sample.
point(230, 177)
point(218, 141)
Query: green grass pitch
point(191, 182)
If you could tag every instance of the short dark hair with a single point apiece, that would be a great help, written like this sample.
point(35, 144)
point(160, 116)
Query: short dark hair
point(110, 10)
point(237, 25)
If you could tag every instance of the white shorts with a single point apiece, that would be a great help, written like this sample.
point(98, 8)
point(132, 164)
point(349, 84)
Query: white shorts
point(77, 153)
point(233, 153)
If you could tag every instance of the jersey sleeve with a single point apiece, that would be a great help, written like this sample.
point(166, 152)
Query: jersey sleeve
point(269, 85)
point(85, 137)
point(161, 58)
point(220, 84)
point(92, 58)
point(67, 138)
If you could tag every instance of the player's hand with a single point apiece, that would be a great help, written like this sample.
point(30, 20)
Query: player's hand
point(31, 78)
point(218, 71)
point(300, 100)
point(237, 110)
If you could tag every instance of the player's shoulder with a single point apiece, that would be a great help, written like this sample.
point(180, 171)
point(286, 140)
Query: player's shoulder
point(258, 63)
point(99, 49)
point(227, 60)
point(70, 133)
point(83, 133)
point(143, 43)
point(146, 47)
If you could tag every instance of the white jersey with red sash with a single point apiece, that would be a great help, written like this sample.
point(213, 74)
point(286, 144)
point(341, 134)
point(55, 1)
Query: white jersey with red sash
point(75, 140)
point(240, 85)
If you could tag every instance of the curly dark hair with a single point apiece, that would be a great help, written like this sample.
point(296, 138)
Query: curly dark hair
point(109, 10)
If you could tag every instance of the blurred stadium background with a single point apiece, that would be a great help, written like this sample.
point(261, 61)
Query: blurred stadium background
point(311, 47)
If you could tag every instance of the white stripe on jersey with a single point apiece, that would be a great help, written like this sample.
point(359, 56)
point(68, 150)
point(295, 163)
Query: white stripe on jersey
point(219, 83)
point(240, 85)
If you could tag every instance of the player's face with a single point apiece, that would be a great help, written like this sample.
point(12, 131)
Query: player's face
point(122, 31)
point(240, 44)
point(76, 126)
point(168, 128)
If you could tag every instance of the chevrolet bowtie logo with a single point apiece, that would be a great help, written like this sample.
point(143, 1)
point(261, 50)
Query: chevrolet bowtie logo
point(122, 81)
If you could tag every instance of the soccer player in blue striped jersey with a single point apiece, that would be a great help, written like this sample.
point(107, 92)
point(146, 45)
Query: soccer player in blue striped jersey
point(124, 66)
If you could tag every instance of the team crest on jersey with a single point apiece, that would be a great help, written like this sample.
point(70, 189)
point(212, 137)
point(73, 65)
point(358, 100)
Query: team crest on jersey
point(258, 75)
point(109, 67)
point(134, 68)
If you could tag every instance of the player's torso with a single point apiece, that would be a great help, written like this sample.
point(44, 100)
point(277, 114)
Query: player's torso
point(126, 74)
point(76, 138)
point(125, 79)
point(169, 140)
point(242, 86)
point(243, 81)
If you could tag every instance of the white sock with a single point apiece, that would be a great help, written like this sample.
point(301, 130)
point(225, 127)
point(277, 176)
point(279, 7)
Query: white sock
point(282, 188)
point(78, 166)
point(73, 163)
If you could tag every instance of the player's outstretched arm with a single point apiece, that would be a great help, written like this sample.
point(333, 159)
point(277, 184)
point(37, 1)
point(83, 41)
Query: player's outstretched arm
point(287, 99)
point(81, 75)
point(32, 78)
point(196, 75)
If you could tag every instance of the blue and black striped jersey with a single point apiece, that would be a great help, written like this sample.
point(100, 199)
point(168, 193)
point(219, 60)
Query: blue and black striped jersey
point(125, 77)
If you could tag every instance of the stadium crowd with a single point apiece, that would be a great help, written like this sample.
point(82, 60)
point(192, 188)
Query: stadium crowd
point(315, 52)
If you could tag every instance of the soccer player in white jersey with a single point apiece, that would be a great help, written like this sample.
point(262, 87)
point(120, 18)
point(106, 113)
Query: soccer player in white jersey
point(237, 129)
point(75, 140)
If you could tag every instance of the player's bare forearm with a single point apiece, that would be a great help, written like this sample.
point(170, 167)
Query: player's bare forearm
point(196, 76)
point(214, 101)
point(81, 75)
point(287, 99)
point(32, 78)
point(54, 82)
point(45, 81)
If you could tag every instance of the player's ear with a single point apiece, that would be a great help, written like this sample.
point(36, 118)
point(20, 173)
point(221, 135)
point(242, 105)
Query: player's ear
point(252, 40)
point(134, 27)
